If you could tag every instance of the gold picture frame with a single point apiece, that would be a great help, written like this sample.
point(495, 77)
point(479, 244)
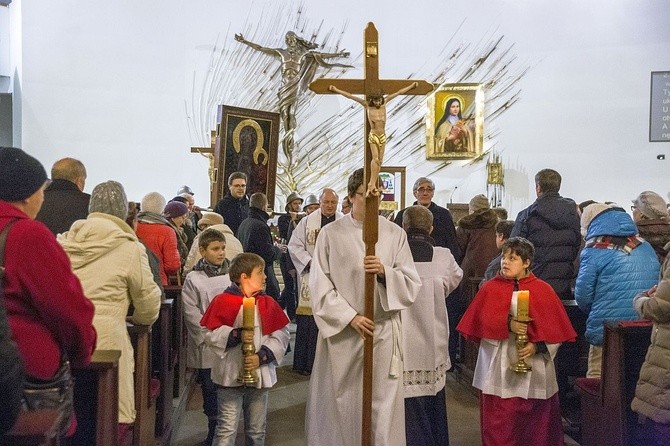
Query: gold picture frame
point(462, 135)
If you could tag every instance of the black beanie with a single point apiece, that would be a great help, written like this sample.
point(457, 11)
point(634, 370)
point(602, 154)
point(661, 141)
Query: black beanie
point(21, 175)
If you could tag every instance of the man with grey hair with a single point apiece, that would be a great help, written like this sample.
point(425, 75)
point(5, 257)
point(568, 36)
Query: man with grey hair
point(301, 248)
point(425, 333)
point(444, 235)
point(255, 236)
point(64, 199)
point(234, 206)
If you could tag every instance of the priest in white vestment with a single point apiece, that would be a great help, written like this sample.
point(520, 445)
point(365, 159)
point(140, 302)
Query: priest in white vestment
point(301, 250)
point(425, 333)
point(337, 283)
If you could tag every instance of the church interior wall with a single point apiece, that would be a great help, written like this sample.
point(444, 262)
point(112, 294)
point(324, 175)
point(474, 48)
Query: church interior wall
point(106, 82)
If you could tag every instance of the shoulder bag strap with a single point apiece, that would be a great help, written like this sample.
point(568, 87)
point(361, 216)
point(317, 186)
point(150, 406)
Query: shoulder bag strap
point(3, 239)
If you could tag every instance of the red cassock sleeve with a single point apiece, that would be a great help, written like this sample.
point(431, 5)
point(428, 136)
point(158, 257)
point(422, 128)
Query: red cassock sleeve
point(225, 307)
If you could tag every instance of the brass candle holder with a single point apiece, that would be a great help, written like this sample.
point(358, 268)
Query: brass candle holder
point(247, 377)
point(520, 366)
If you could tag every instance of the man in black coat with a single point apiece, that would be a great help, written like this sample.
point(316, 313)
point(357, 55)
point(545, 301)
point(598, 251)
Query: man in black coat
point(551, 224)
point(64, 199)
point(255, 236)
point(234, 206)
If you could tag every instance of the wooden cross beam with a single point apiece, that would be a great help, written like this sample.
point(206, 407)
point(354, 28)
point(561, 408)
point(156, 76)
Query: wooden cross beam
point(371, 86)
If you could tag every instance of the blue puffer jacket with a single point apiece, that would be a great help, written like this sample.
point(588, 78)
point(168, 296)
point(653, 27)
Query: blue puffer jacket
point(608, 279)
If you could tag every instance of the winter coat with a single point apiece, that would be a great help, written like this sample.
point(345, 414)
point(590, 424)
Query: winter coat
point(551, 224)
point(255, 236)
point(63, 204)
point(608, 279)
point(114, 270)
point(657, 233)
point(233, 210)
point(47, 310)
point(161, 239)
point(652, 394)
point(476, 235)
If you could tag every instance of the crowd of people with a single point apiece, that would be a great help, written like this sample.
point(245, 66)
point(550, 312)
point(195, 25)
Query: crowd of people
point(77, 265)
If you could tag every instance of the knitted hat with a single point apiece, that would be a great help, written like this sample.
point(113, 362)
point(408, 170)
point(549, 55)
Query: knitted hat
point(651, 205)
point(290, 199)
point(109, 198)
point(175, 209)
point(209, 219)
point(479, 202)
point(153, 202)
point(310, 200)
point(589, 213)
point(21, 175)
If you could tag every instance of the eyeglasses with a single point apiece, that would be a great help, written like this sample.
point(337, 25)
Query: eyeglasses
point(239, 185)
point(422, 190)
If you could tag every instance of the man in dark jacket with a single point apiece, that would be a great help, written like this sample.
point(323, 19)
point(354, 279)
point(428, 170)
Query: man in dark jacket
point(255, 236)
point(551, 224)
point(64, 199)
point(234, 206)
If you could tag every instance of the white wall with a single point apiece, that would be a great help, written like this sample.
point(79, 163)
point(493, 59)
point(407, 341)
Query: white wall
point(106, 82)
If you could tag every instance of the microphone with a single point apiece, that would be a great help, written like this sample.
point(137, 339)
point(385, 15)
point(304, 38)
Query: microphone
point(452, 195)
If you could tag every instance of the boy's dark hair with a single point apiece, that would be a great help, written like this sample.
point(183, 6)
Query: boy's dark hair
point(521, 247)
point(355, 180)
point(244, 263)
point(210, 235)
point(504, 227)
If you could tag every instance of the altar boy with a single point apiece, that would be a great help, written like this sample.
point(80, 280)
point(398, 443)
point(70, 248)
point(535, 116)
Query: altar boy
point(270, 338)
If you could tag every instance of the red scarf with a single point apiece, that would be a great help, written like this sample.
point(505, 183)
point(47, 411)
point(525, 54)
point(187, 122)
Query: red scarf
point(486, 317)
point(226, 306)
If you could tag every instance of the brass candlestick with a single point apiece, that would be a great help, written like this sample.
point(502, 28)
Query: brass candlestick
point(521, 341)
point(247, 377)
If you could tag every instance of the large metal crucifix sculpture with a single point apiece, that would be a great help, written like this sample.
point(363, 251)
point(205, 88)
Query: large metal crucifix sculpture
point(373, 89)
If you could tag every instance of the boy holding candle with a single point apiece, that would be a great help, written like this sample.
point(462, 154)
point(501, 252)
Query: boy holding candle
point(242, 316)
point(517, 408)
point(208, 278)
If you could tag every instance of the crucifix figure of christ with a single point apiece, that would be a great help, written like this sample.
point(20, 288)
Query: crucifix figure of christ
point(376, 114)
point(370, 86)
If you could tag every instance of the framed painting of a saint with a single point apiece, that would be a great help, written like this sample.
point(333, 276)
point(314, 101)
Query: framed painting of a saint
point(247, 141)
point(455, 122)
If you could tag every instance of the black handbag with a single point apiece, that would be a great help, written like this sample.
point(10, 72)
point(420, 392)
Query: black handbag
point(55, 393)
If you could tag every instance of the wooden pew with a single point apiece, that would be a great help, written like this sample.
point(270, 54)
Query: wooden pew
point(607, 418)
point(34, 428)
point(96, 400)
point(163, 360)
point(146, 388)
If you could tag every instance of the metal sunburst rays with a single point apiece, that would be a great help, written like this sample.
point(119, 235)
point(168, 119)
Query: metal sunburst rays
point(329, 146)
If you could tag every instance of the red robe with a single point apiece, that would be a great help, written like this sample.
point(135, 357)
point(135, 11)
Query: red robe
point(226, 306)
point(486, 317)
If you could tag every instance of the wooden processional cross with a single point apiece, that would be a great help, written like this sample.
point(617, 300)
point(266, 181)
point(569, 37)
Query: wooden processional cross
point(370, 86)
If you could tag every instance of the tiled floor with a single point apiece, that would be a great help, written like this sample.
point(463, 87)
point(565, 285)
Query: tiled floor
point(286, 422)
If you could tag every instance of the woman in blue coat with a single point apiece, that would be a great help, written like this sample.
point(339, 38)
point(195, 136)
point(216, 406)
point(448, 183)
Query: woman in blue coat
point(614, 266)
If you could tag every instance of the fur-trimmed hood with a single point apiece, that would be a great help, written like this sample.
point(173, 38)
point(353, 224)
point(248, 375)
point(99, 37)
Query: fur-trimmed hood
point(482, 219)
